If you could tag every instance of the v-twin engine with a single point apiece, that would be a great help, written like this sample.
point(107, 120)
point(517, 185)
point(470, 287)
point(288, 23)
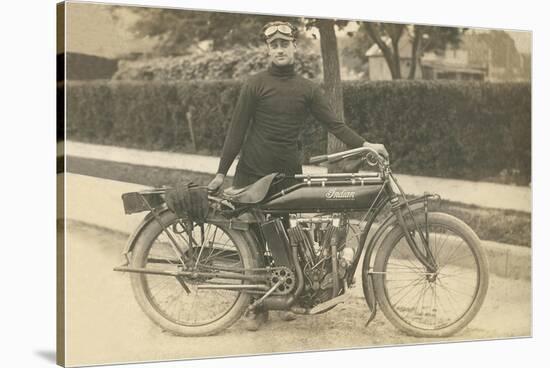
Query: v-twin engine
point(324, 254)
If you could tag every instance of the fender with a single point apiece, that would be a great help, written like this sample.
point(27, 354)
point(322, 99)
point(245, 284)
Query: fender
point(247, 233)
point(417, 206)
point(389, 222)
point(131, 242)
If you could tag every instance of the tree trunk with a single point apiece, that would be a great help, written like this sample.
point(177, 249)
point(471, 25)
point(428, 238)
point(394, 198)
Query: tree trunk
point(415, 49)
point(332, 80)
point(396, 59)
point(395, 33)
point(374, 33)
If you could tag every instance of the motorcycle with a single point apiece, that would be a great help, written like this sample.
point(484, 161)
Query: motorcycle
point(299, 247)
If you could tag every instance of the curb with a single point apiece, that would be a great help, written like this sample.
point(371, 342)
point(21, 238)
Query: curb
point(97, 202)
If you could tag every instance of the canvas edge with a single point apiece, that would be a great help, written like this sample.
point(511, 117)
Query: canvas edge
point(60, 184)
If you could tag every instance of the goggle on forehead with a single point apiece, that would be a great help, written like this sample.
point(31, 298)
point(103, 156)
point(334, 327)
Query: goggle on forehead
point(282, 28)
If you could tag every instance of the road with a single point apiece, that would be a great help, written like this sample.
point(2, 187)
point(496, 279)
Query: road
point(105, 325)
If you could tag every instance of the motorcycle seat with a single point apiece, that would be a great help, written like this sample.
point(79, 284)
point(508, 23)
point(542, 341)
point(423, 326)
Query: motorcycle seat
point(251, 194)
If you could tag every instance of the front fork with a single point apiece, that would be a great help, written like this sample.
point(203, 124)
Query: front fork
point(399, 205)
point(426, 258)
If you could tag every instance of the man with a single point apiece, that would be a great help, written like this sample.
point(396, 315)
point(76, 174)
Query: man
point(269, 117)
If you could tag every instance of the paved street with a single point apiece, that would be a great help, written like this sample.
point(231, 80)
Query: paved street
point(105, 324)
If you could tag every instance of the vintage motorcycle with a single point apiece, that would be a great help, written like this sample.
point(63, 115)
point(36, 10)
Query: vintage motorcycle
point(298, 249)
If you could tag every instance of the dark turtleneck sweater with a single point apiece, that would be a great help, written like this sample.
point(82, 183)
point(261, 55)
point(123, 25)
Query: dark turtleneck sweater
point(272, 107)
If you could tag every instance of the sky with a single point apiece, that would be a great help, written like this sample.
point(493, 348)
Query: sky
point(92, 30)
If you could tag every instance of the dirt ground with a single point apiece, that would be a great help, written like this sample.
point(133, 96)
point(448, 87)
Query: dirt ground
point(104, 323)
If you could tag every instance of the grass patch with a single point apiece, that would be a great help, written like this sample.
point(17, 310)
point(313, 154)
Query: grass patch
point(504, 226)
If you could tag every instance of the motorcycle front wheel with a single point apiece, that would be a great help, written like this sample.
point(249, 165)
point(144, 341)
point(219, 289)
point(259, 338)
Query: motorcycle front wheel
point(432, 304)
point(179, 306)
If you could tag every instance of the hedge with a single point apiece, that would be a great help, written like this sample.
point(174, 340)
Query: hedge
point(238, 62)
point(466, 130)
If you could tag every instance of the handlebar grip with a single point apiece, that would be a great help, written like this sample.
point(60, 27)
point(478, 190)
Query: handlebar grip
point(318, 159)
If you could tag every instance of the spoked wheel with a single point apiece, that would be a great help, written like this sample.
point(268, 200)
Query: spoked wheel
point(176, 304)
point(432, 304)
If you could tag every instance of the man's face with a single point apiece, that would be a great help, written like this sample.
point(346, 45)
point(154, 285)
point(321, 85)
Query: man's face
point(281, 52)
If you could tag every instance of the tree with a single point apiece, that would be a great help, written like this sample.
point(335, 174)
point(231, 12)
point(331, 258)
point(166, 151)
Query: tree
point(353, 50)
point(176, 30)
point(424, 38)
point(377, 32)
point(432, 38)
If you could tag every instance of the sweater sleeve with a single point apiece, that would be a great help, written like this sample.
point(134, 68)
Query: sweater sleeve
point(322, 111)
point(238, 127)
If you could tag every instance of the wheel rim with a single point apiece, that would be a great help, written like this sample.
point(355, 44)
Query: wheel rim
point(167, 295)
point(432, 301)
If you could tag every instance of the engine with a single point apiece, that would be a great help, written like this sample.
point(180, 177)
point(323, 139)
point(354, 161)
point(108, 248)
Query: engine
point(319, 238)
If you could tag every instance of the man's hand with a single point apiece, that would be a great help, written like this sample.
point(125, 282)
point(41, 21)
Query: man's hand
point(216, 183)
point(379, 148)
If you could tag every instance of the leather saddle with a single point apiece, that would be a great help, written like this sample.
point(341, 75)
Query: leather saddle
point(251, 194)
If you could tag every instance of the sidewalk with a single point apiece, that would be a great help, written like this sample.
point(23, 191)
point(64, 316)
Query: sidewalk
point(476, 193)
point(98, 202)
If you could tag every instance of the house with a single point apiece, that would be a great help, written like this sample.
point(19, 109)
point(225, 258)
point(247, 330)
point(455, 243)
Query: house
point(453, 64)
point(482, 55)
point(498, 51)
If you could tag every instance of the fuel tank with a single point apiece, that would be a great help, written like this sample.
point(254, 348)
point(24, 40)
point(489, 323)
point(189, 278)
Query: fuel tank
point(325, 198)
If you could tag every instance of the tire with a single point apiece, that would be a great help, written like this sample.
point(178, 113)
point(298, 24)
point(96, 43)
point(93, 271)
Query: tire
point(202, 312)
point(438, 304)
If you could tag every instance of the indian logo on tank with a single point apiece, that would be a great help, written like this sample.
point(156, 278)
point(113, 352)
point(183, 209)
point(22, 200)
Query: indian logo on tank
point(340, 194)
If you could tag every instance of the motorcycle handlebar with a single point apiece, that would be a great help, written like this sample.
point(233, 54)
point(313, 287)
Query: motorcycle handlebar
point(318, 159)
point(372, 157)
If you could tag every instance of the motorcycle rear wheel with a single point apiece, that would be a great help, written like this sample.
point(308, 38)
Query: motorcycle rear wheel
point(437, 304)
point(165, 301)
